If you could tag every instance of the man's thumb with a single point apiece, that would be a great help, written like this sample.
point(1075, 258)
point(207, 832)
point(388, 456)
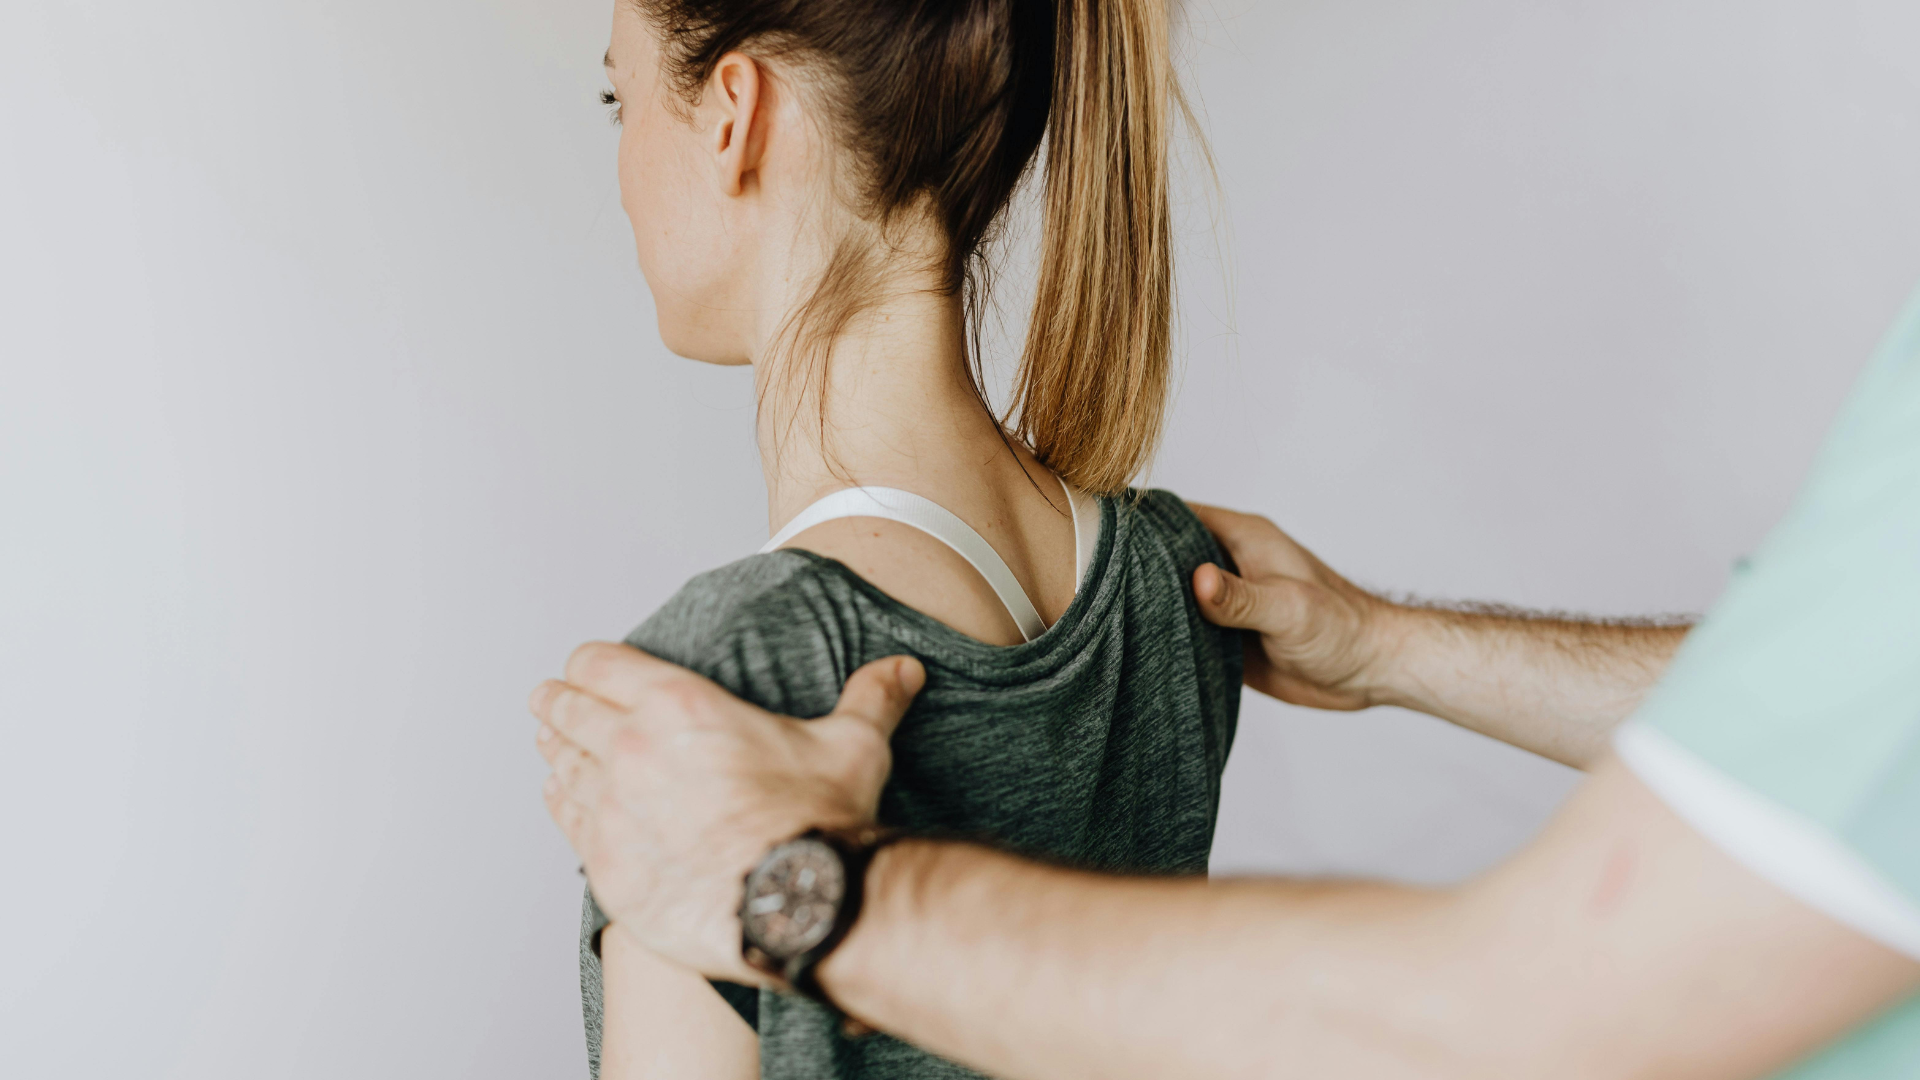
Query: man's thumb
point(1227, 599)
point(879, 693)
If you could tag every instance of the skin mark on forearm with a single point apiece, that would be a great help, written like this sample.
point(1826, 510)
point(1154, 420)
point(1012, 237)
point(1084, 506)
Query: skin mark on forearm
point(1616, 874)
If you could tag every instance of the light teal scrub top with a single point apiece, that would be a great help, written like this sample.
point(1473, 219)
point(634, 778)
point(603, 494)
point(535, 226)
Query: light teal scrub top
point(1788, 729)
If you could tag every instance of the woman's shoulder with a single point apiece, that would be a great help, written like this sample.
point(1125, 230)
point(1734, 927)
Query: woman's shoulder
point(776, 628)
point(759, 591)
point(1172, 526)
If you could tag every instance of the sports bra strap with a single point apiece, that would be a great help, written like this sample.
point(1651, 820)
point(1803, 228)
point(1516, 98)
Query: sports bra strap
point(1086, 531)
point(938, 522)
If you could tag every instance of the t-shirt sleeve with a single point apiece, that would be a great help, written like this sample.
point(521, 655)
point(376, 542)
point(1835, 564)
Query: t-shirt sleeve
point(774, 629)
point(770, 629)
point(1788, 729)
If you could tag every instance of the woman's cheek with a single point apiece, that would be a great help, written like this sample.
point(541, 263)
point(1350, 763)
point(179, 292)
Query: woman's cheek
point(674, 238)
point(639, 196)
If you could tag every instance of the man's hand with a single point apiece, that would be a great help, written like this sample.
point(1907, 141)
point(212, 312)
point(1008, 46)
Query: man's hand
point(1321, 638)
point(671, 789)
point(1552, 684)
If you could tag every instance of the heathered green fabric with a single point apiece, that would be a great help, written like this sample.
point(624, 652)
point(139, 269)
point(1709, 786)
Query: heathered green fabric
point(1100, 743)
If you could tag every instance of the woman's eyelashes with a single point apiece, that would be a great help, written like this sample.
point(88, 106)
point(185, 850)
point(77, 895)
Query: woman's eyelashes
point(612, 102)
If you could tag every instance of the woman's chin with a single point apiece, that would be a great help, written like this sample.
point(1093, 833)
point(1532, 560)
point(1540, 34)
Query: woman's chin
point(703, 348)
point(731, 360)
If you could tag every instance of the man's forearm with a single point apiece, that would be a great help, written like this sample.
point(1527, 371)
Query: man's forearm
point(1619, 944)
point(1555, 685)
point(1031, 972)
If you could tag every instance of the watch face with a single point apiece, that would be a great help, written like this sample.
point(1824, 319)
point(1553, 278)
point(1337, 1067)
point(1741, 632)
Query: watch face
point(793, 897)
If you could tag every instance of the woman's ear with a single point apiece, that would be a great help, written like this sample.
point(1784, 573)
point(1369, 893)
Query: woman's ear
point(740, 132)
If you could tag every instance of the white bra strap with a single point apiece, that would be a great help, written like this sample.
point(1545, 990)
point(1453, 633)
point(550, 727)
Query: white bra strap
point(938, 522)
point(1086, 531)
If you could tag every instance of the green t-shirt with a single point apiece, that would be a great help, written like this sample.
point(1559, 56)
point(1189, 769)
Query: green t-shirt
point(1099, 743)
point(1788, 729)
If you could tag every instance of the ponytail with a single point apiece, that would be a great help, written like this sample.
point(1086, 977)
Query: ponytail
point(1092, 387)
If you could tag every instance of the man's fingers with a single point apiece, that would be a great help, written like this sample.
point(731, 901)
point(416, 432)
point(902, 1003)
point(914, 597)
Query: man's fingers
point(565, 812)
point(1214, 518)
point(879, 693)
point(571, 712)
point(621, 674)
point(1231, 527)
point(1230, 600)
point(550, 742)
point(580, 775)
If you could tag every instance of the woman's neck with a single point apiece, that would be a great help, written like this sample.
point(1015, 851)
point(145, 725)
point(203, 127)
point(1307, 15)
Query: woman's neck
point(888, 401)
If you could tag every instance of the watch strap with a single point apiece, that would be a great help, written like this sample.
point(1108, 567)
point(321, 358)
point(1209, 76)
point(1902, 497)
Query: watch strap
point(856, 848)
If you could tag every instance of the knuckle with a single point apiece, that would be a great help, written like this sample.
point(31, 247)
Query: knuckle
point(1234, 600)
point(591, 663)
point(688, 699)
point(555, 699)
point(1239, 521)
point(629, 744)
point(1255, 522)
point(1296, 604)
point(563, 712)
point(867, 741)
point(859, 749)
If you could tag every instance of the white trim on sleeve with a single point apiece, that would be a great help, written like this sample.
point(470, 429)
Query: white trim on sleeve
point(1803, 859)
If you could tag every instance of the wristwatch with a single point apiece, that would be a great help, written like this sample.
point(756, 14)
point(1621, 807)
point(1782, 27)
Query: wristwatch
point(801, 900)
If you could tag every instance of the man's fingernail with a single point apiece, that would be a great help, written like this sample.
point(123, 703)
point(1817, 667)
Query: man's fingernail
point(545, 733)
point(553, 783)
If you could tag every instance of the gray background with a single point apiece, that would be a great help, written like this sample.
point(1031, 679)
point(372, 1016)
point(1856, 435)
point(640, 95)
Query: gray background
point(332, 415)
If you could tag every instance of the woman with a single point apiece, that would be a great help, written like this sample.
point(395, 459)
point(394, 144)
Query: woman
point(810, 183)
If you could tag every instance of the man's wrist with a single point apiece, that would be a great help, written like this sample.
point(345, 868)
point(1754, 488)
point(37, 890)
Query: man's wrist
point(853, 975)
point(1393, 637)
point(1424, 654)
point(783, 934)
point(748, 849)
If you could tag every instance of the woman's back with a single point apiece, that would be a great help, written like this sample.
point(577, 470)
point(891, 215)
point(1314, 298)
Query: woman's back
point(1099, 743)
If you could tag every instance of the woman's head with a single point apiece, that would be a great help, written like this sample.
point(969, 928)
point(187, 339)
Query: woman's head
point(878, 130)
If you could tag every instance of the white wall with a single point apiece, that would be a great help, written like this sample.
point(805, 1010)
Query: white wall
point(332, 415)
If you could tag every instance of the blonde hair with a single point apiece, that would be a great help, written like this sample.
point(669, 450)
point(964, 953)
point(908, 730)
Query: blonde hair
point(1091, 392)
